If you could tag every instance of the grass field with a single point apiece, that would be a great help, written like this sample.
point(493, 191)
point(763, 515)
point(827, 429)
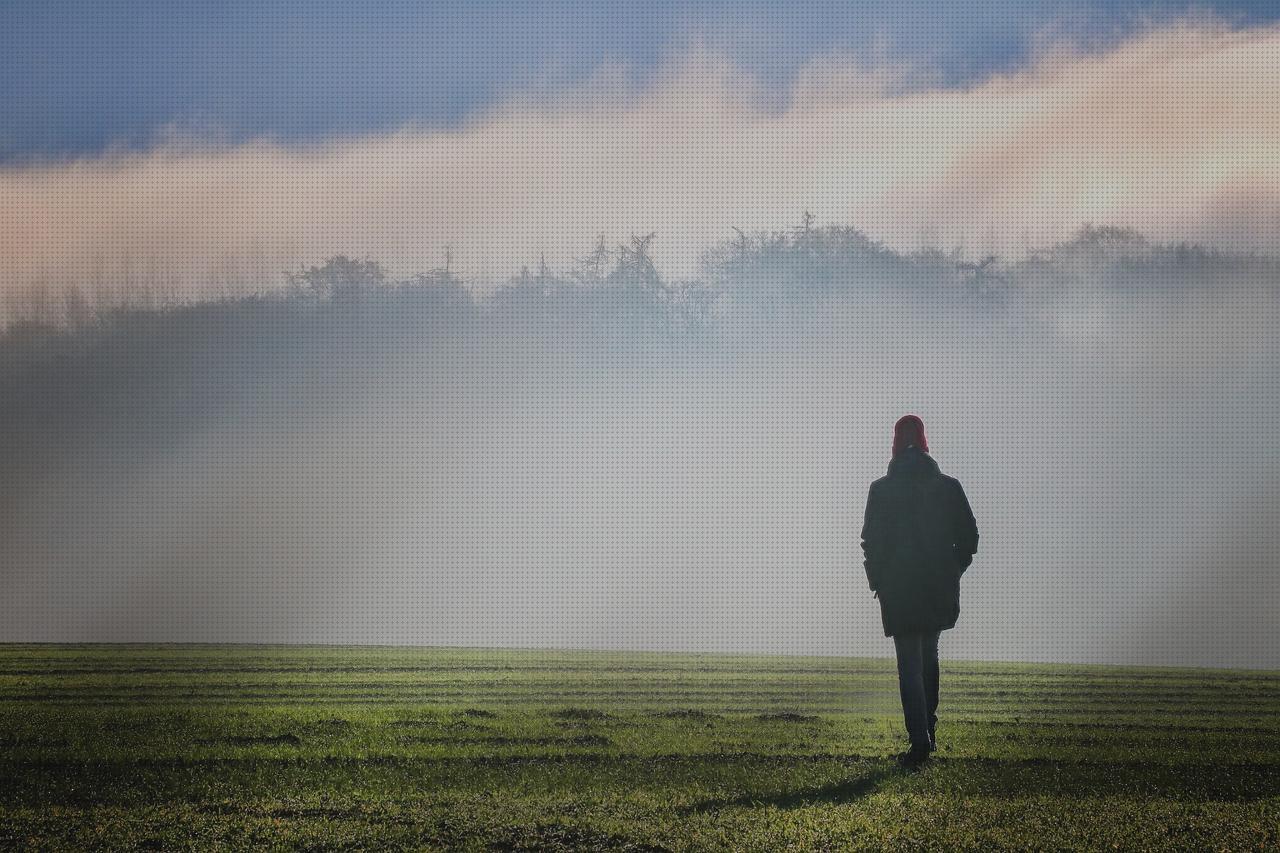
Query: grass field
point(171, 747)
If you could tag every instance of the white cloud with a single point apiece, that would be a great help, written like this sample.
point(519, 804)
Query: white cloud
point(1175, 131)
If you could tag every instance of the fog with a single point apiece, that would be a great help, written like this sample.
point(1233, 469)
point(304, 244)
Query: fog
point(602, 457)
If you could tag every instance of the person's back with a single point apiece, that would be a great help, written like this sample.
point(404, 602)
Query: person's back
point(918, 537)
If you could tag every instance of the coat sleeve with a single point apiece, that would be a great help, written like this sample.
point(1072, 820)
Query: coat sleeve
point(872, 538)
point(964, 528)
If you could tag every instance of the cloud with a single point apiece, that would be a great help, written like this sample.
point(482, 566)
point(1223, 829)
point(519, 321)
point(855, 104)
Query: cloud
point(1175, 131)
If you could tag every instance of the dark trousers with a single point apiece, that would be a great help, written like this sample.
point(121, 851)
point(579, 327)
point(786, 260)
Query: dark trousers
point(918, 684)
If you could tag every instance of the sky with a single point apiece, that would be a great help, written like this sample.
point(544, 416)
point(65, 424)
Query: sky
point(228, 143)
point(205, 148)
point(79, 77)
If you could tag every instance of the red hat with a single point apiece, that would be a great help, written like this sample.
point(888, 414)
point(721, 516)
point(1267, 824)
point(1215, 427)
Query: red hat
point(907, 431)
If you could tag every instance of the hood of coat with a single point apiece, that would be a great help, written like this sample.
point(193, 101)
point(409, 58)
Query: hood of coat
point(914, 463)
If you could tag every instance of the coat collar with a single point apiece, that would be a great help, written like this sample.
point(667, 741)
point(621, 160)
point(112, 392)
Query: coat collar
point(913, 462)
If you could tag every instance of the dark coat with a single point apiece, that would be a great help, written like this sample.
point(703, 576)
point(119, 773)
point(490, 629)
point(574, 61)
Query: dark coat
point(918, 538)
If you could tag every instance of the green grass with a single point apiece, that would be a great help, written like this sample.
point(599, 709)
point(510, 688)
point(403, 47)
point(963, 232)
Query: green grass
point(172, 747)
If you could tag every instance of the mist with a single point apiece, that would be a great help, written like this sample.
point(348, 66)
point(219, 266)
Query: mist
point(604, 457)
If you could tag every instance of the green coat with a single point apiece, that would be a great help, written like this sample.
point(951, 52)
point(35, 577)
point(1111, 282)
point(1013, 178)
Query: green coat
point(918, 537)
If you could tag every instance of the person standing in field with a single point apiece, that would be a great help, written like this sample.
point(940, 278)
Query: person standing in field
point(918, 537)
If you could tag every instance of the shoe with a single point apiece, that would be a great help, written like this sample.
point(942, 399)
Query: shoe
point(912, 758)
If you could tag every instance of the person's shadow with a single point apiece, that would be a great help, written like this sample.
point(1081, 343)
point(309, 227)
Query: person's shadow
point(843, 791)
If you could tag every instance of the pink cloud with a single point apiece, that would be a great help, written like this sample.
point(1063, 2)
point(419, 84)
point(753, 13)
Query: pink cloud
point(1175, 131)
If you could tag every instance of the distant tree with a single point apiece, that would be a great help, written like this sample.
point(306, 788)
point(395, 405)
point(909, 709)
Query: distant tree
point(805, 236)
point(1108, 235)
point(340, 278)
point(592, 268)
point(76, 308)
point(32, 304)
point(634, 262)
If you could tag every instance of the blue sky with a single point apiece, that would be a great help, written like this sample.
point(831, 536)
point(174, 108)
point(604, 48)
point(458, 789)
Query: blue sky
point(76, 77)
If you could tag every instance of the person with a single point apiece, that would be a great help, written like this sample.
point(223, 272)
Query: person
point(918, 537)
